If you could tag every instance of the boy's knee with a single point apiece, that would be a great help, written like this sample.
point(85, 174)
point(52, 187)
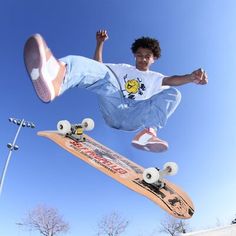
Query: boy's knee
point(175, 93)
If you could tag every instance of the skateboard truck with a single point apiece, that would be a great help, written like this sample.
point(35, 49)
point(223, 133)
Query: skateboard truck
point(75, 131)
point(154, 175)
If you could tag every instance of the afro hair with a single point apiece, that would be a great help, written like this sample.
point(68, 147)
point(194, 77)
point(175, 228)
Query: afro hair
point(149, 43)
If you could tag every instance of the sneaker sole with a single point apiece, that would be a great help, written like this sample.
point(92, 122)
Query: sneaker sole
point(151, 147)
point(35, 62)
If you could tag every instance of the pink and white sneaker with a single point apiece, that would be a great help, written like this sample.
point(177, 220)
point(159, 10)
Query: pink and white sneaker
point(45, 71)
point(148, 141)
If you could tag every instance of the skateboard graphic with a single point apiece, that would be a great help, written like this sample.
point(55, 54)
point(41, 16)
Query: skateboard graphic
point(149, 182)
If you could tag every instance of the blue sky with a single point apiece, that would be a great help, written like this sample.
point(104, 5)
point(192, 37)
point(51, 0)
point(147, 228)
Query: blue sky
point(201, 133)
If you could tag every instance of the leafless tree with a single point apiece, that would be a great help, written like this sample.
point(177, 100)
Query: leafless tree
point(112, 225)
point(173, 226)
point(219, 222)
point(46, 221)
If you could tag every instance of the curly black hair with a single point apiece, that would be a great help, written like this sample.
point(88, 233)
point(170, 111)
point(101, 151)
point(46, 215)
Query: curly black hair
point(147, 42)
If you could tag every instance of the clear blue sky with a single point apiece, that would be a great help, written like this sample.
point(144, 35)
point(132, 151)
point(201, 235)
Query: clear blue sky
point(201, 132)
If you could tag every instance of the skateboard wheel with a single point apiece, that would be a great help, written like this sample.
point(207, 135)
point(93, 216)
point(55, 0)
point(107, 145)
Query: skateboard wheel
point(151, 175)
point(88, 124)
point(171, 168)
point(64, 127)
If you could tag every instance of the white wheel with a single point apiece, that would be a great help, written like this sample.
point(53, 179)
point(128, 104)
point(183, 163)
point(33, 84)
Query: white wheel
point(171, 168)
point(88, 124)
point(151, 175)
point(64, 127)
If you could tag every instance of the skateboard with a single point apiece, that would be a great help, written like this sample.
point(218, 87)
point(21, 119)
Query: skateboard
point(149, 182)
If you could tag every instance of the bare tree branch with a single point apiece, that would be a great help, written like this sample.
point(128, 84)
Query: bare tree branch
point(112, 225)
point(46, 221)
point(173, 226)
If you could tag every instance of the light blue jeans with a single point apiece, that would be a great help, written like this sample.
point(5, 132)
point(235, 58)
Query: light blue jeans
point(119, 112)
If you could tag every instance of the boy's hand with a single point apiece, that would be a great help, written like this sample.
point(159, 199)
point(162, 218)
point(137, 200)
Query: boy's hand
point(101, 36)
point(199, 77)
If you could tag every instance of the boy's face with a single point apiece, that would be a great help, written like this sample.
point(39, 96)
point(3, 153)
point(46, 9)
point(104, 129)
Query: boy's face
point(144, 59)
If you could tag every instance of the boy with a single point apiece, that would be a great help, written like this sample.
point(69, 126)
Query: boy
point(130, 97)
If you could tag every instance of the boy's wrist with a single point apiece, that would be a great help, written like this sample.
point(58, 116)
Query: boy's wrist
point(190, 77)
point(99, 45)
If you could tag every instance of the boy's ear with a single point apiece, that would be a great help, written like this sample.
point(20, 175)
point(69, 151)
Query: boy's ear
point(153, 60)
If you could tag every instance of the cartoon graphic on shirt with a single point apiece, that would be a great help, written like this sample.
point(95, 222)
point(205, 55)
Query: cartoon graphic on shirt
point(133, 87)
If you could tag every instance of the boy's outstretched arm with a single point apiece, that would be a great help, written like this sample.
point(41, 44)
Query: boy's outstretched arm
point(198, 76)
point(101, 37)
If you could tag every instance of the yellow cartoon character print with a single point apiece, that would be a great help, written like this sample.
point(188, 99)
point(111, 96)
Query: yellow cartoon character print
point(134, 86)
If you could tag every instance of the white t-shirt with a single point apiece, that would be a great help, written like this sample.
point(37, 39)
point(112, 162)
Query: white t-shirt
point(136, 84)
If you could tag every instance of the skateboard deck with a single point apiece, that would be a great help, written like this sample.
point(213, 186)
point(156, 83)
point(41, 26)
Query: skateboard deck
point(170, 197)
